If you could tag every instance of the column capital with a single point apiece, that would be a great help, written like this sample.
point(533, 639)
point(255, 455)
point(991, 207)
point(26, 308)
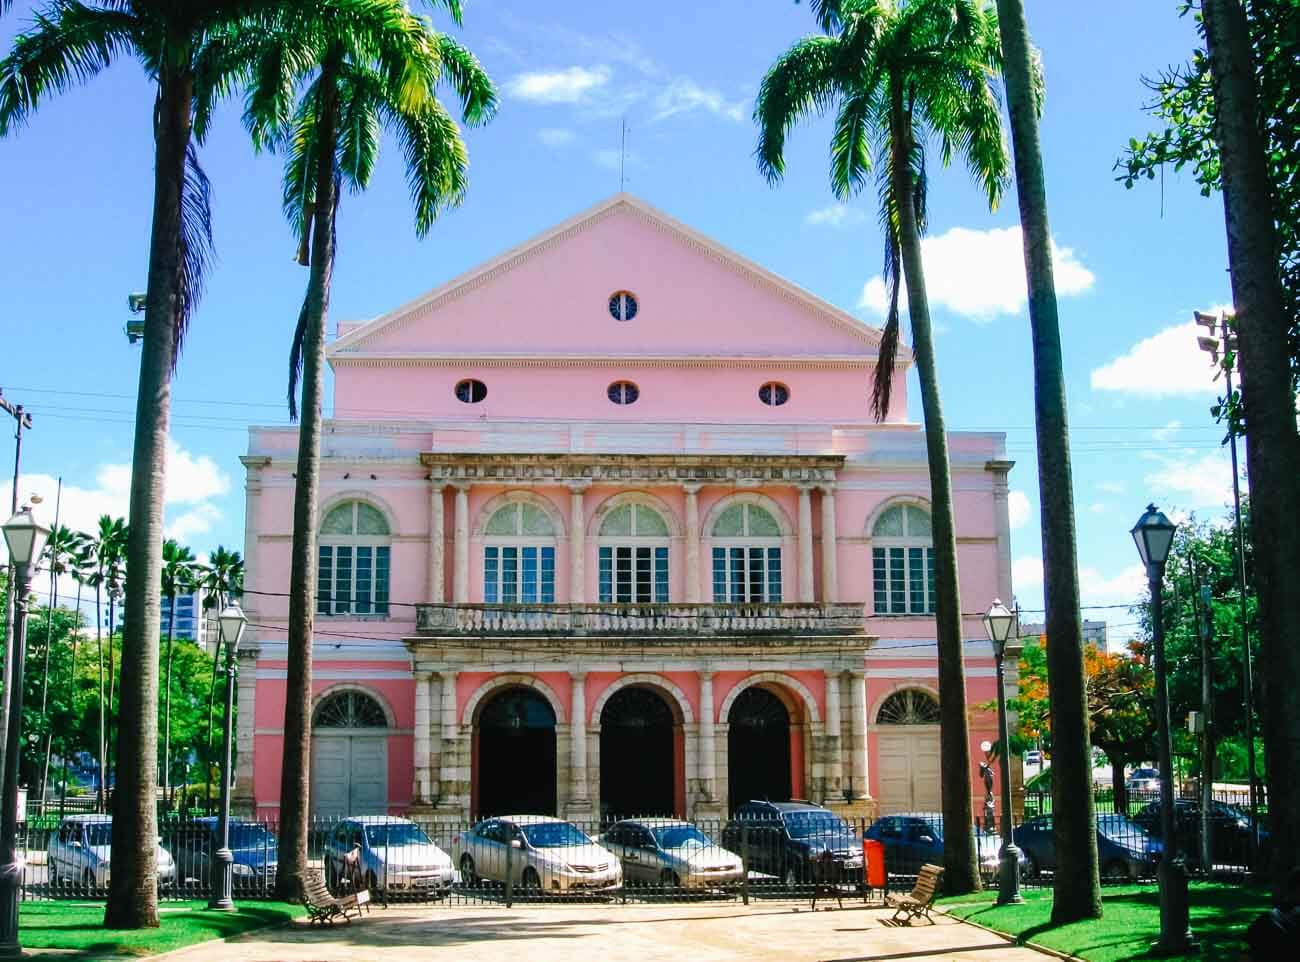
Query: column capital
point(578, 675)
point(578, 487)
point(692, 487)
point(435, 484)
point(826, 487)
point(460, 487)
point(806, 487)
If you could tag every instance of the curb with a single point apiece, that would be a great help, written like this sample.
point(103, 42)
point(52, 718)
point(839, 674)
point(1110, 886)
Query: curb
point(180, 952)
point(1037, 947)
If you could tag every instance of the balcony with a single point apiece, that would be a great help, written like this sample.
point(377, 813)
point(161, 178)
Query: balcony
point(651, 622)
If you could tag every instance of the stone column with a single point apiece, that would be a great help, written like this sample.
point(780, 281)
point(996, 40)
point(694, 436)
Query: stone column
point(830, 547)
point(422, 792)
point(453, 763)
point(437, 544)
point(460, 578)
point(692, 543)
point(579, 791)
point(835, 766)
point(708, 739)
point(577, 543)
point(805, 545)
point(450, 723)
point(245, 728)
point(860, 784)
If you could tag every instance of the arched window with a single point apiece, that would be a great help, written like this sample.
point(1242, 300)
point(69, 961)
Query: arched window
point(353, 575)
point(911, 706)
point(519, 556)
point(902, 562)
point(746, 555)
point(349, 709)
point(633, 543)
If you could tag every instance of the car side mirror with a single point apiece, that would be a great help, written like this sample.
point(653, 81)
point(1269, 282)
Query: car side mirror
point(515, 843)
point(927, 839)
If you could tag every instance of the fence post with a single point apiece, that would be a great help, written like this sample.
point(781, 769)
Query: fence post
point(744, 862)
point(510, 873)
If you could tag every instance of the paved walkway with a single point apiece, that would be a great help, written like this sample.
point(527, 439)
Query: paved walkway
point(609, 933)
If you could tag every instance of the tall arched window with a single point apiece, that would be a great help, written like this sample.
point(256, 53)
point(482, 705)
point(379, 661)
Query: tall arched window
point(902, 562)
point(746, 555)
point(519, 556)
point(354, 552)
point(633, 545)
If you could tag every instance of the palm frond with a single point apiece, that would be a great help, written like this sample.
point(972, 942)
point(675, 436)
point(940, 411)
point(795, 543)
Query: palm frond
point(452, 7)
point(358, 127)
point(68, 44)
point(296, 359)
point(437, 162)
point(299, 186)
point(197, 249)
point(851, 146)
point(478, 97)
point(802, 82)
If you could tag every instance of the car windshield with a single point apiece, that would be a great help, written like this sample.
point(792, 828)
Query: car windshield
point(680, 836)
point(1117, 828)
point(396, 834)
point(935, 825)
point(250, 835)
point(100, 833)
point(808, 824)
point(1145, 773)
point(553, 835)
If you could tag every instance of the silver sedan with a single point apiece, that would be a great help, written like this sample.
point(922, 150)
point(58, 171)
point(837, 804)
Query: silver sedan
point(545, 855)
point(673, 853)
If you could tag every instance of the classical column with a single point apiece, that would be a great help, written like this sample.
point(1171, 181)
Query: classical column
point(861, 784)
point(450, 723)
point(708, 742)
point(830, 561)
point(578, 738)
point(805, 545)
point(460, 579)
point(423, 729)
point(245, 728)
point(577, 543)
point(437, 544)
point(692, 543)
point(835, 768)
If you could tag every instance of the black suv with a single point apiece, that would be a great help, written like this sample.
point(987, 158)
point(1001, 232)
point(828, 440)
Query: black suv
point(783, 839)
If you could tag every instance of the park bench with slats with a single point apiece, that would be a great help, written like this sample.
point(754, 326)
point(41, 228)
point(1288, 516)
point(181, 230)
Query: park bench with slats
point(324, 908)
point(918, 903)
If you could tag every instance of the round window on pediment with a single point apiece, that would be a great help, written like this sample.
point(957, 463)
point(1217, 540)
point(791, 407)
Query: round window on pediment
point(470, 391)
point(774, 394)
point(622, 306)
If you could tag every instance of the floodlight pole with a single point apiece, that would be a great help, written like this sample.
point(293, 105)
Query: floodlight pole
point(23, 421)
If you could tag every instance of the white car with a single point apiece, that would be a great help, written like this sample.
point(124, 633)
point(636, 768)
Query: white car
point(672, 853)
point(81, 851)
point(546, 855)
point(1143, 781)
point(393, 855)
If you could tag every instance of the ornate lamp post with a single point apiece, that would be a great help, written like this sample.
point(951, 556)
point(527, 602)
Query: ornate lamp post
point(1154, 536)
point(232, 622)
point(25, 538)
point(997, 625)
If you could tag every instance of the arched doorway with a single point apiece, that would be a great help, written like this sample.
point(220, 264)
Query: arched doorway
point(758, 748)
point(637, 754)
point(907, 752)
point(349, 756)
point(515, 754)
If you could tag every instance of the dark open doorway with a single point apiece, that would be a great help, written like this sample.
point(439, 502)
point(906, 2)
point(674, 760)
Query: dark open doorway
point(636, 754)
point(516, 755)
point(758, 748)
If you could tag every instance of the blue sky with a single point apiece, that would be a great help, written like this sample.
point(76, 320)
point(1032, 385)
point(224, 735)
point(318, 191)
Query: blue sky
point(74, 214)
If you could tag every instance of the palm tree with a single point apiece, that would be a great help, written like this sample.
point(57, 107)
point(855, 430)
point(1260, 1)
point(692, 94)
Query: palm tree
point(62, 548)
point(371, 76)
point(899, 74)
point(1078, 887)
point(221, 579)
point(79, 566)
point(179, 573)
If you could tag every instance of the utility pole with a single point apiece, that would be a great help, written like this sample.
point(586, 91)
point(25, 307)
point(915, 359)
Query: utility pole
point(23, 421)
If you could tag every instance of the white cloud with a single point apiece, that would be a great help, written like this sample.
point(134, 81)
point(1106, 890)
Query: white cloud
point(567, 86)
point(980, 274)
point(1190, 479)
point(1167, 432)
point(1117, 588)
point(683, 95)
point(836, 215)
point(1018, 508)
point(1112, 487)
point(555, 136)
point(1027, 572)
point(1163, 365)
point(1098, 508)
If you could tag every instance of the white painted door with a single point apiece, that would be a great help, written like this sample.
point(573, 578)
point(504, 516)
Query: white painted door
point(907, 763)
point(349, 774)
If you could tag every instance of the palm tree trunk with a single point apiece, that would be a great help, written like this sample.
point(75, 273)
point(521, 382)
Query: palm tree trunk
point(1272, 445)
point(295, 773)
point(212, 725)
point(109, 782)
point(167, 703)
point(1077, 884)
point(99, 650)
point(1118, 787)
point(133, 893)
point(961, 872)
point(72, 693)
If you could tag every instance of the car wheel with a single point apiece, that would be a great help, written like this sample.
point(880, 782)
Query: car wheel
point(468, 877)
point(1032, 868)
point(88, 880)
point(372, 885)
point(669, 879)
point(530, 882)
point(1115, 870)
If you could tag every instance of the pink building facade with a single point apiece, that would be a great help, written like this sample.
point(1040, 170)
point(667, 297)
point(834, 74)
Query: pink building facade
point(606, 527)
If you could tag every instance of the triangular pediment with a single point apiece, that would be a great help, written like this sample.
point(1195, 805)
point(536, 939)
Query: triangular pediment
point(549, 298)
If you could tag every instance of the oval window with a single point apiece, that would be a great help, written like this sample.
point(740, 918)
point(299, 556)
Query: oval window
point(774, 394)
point(622, 306)
point(470, 391)
point(623, 392)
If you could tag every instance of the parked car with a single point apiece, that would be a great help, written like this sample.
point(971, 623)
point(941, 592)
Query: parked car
point(913, 839)
point(1034, 757)
point(395, 856)
point(1229, 831)
point(783, 838)
point(1143, 781)
point(81, 850)
point(1125, 850)
point(253, 848)
point(548, 855)
point(670, 852)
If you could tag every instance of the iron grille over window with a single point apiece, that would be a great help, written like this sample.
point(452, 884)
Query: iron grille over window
point(354, 561)
point(623, 392)
point(909, 707)
point(470, 391)
point(349, 709)
point(902, 562)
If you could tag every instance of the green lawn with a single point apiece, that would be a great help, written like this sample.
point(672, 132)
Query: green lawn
point(79, 926)
point(1220, 915)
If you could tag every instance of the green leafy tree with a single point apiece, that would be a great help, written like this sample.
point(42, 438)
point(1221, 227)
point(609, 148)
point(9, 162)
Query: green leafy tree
point(61, 552)
point(901, 77)
point(104, 559)
point(222, 580)
point(380, 69)
point(180, 573)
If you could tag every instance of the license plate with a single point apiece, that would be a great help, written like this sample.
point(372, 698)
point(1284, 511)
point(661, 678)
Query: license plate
point(426, 882)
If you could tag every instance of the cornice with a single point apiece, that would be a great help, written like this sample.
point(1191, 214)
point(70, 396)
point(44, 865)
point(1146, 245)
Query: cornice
point(392, 359)
point(631, 468)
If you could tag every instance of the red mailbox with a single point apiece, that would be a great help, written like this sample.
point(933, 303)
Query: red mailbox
point(873, 863)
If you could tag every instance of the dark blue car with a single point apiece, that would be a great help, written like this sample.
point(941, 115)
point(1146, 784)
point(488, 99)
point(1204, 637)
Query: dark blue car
point(913, 839)
point(1125, 851)
point(254, 849)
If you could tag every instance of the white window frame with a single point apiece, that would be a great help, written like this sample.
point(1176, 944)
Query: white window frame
point(907, 544)
point(629, 543)
point(769, 545)
point(376, 542)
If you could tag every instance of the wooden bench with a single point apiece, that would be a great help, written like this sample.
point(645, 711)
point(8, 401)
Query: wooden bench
point(917, 904)
point(324, 908)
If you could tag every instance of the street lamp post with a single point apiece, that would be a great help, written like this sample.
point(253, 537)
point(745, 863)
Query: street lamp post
point(997, 625)
point(232, 623)
point(25, 538)
point(1154, 536)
